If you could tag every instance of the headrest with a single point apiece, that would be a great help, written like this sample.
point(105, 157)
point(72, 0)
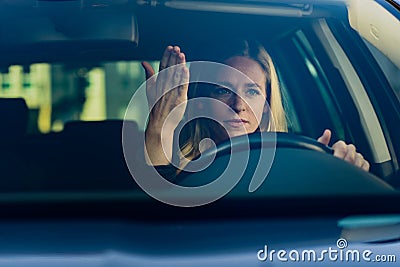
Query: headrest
point(14, 115)
point(97, 131)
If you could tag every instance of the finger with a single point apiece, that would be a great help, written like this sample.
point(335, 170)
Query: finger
point(172, 76)
point(180, 79)
point(325, 138)
point(181, 58)
point(150, 82)
point(365, 166)
point(351, 153)
point(174, 55)
point(165, 58)
point(183, 89)
point(339, 149)
point(148, 69)
point(166, 75)
point(180, 71)
point(359, 160)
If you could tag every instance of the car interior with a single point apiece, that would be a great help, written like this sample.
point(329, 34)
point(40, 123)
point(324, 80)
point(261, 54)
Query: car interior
point(69, 71)
point(305, 40)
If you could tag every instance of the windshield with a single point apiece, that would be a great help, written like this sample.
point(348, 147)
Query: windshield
point(331, 73)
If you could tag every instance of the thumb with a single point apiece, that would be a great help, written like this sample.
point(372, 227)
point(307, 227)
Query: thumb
point(325, 138)
point(148, 69)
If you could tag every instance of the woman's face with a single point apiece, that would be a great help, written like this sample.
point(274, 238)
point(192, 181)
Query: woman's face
point(246, 96)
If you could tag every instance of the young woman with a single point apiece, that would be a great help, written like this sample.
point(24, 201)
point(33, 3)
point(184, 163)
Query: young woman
point(244, 104)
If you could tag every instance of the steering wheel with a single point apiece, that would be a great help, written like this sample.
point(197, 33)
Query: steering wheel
point(299, 166)
point(267, 139)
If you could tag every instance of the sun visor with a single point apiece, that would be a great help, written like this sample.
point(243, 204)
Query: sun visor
point(63, 21)
point(377, 25)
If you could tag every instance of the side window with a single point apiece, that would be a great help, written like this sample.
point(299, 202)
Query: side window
point(367, 116)
point(309, 97)
point(325, 89)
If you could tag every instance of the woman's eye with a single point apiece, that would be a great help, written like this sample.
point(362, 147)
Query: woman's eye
point(222, 91)
point(253, 92)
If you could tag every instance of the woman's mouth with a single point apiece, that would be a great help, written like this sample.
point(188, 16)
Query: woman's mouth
point(236, 123)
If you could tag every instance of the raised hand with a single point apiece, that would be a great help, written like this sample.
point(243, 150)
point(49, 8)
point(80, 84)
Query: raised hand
point(166, 93)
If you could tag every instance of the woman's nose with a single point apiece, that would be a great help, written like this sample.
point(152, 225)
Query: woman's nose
point(238, 104)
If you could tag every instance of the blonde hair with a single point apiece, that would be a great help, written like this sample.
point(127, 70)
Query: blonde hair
point(195, 131)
